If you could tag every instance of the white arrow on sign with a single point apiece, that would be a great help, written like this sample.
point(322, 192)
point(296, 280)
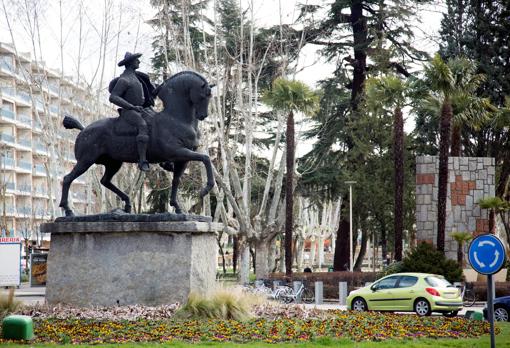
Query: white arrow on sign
point(496, 253)
point(481, 264)
point(485, 242)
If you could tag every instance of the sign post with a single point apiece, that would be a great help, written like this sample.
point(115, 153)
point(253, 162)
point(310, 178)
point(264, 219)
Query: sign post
point(487, 256)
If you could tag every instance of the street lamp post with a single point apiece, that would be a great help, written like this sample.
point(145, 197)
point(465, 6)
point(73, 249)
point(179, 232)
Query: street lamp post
point(351, 253)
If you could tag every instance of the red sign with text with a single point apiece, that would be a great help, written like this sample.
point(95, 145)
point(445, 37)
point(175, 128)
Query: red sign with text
point(10, 239)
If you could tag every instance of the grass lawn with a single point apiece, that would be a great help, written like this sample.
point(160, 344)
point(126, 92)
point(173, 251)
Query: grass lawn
point(502, 340)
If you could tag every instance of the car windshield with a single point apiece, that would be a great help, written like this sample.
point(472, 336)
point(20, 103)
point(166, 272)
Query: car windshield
point(437, 282)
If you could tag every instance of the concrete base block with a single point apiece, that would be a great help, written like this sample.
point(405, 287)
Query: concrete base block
point(124, 263)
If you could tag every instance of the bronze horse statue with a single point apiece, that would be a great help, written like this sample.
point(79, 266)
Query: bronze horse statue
point(173, 138)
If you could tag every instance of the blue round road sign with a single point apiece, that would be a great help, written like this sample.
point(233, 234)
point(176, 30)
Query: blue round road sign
point(486, 254)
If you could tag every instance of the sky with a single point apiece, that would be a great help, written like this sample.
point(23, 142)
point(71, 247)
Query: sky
point(136, 34)
point(130, 30)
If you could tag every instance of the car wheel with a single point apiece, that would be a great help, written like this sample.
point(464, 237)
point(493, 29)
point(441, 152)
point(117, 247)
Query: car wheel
point(501, 314)
point(359, 304)
point(450, 314)
point(422, 307)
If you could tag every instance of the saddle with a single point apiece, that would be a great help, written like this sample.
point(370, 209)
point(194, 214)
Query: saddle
point(122, 128)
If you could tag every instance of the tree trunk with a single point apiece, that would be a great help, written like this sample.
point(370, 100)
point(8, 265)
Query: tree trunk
point(244, 271)
point(444, 145)
point(398, 157)
point(360, 44)
point(341, 257)
point(289, 196)
point(262, 252)
point(460, 255)
point(384, 242)
point(235, 253)
point(456, 141)
point(312, 252)
point(362, 251)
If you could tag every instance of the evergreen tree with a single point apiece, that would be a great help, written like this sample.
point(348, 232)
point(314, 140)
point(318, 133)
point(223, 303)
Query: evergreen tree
point(377, 30)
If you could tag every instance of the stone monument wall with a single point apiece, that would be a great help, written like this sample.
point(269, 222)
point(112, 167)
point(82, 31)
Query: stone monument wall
point(469, 180)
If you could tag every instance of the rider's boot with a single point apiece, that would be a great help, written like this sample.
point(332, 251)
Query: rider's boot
point(141, 143)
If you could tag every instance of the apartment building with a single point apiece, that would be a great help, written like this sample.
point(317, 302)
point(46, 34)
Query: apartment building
point(35, 150)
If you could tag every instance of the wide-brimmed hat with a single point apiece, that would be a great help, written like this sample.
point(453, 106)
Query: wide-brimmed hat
point(128, 57)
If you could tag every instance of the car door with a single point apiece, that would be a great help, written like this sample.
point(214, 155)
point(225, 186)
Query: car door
point(405, 293)
point(381, 297)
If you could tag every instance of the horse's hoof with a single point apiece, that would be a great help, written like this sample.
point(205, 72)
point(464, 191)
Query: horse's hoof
point(127, 209)
point(69, 212)
point(204, 192)
point(178, 210)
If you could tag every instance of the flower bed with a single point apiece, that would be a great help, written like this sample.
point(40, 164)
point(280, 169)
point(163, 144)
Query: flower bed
point(339, 324)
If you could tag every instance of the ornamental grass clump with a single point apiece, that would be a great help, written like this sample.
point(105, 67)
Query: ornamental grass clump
point(8, 304)
point(222, 304)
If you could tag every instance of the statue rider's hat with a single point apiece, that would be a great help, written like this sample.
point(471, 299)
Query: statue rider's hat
point(128, 57)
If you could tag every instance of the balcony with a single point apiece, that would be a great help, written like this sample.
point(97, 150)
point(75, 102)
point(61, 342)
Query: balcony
point(40, 169)
point(25, 165)
point(6, 162)
point(9, 91)
point(7, 138)
point(10, 186)
point(54, 109)
point(25, 188)
point(39, 147)
point(6, 113)
point(9, 210)
point(41, 191)
point(25, 119)
point(24, 211)
point(25, 143)
point(6, 65)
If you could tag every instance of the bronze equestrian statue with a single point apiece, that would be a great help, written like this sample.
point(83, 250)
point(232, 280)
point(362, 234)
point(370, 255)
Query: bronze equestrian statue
point(132, 92)
point(173, 137)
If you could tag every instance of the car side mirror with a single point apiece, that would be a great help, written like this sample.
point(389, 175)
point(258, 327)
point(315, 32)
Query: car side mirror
point(373, 288)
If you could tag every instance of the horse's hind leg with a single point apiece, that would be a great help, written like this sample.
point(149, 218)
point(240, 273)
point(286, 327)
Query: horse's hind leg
point(178, 169)
point(110, 170)
point(80, 168)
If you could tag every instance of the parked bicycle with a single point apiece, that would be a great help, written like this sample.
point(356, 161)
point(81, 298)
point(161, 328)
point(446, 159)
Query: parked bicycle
point(468, 295)
point(302, 294)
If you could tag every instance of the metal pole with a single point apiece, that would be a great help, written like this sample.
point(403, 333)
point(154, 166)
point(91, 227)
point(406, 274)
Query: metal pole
point(490, 308)
point(350, 227)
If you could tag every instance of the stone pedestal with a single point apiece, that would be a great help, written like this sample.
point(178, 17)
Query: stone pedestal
point(108, 263)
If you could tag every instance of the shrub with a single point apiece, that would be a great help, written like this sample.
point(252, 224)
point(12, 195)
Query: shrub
point(426, 259)
point(223, 304)
point(395, 267)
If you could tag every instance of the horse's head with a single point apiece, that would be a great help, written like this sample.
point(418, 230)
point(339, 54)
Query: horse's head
point(200, 96)
point(189, 86)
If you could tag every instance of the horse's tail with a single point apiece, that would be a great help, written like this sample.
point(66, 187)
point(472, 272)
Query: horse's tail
point(72, 123)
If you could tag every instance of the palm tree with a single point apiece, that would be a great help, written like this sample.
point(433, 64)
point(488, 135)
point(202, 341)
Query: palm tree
point(290, 96)
point(461, 238)
point(383, 92)
point(469, 110)
point(440, 79)
point(453, 84)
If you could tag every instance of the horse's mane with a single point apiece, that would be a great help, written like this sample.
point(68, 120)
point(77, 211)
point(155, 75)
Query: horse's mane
point(185, 72)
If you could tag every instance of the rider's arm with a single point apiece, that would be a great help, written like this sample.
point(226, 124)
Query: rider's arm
point(116, 95)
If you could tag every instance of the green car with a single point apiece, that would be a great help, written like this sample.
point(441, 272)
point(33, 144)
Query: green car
point(407, 292)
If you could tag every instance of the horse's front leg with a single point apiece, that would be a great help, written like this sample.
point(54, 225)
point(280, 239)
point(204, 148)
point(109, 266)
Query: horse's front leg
point(178, 168)
point(185, 155)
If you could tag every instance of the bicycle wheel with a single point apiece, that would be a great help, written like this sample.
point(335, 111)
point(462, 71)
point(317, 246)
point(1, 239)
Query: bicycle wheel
point(469, 298)
point(307, 296)
point(284, 294)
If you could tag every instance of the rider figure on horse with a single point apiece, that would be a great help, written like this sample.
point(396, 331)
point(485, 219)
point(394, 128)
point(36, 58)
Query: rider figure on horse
point(132, 92)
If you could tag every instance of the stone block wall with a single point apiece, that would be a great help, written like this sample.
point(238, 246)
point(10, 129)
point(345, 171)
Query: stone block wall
point(469, 180)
